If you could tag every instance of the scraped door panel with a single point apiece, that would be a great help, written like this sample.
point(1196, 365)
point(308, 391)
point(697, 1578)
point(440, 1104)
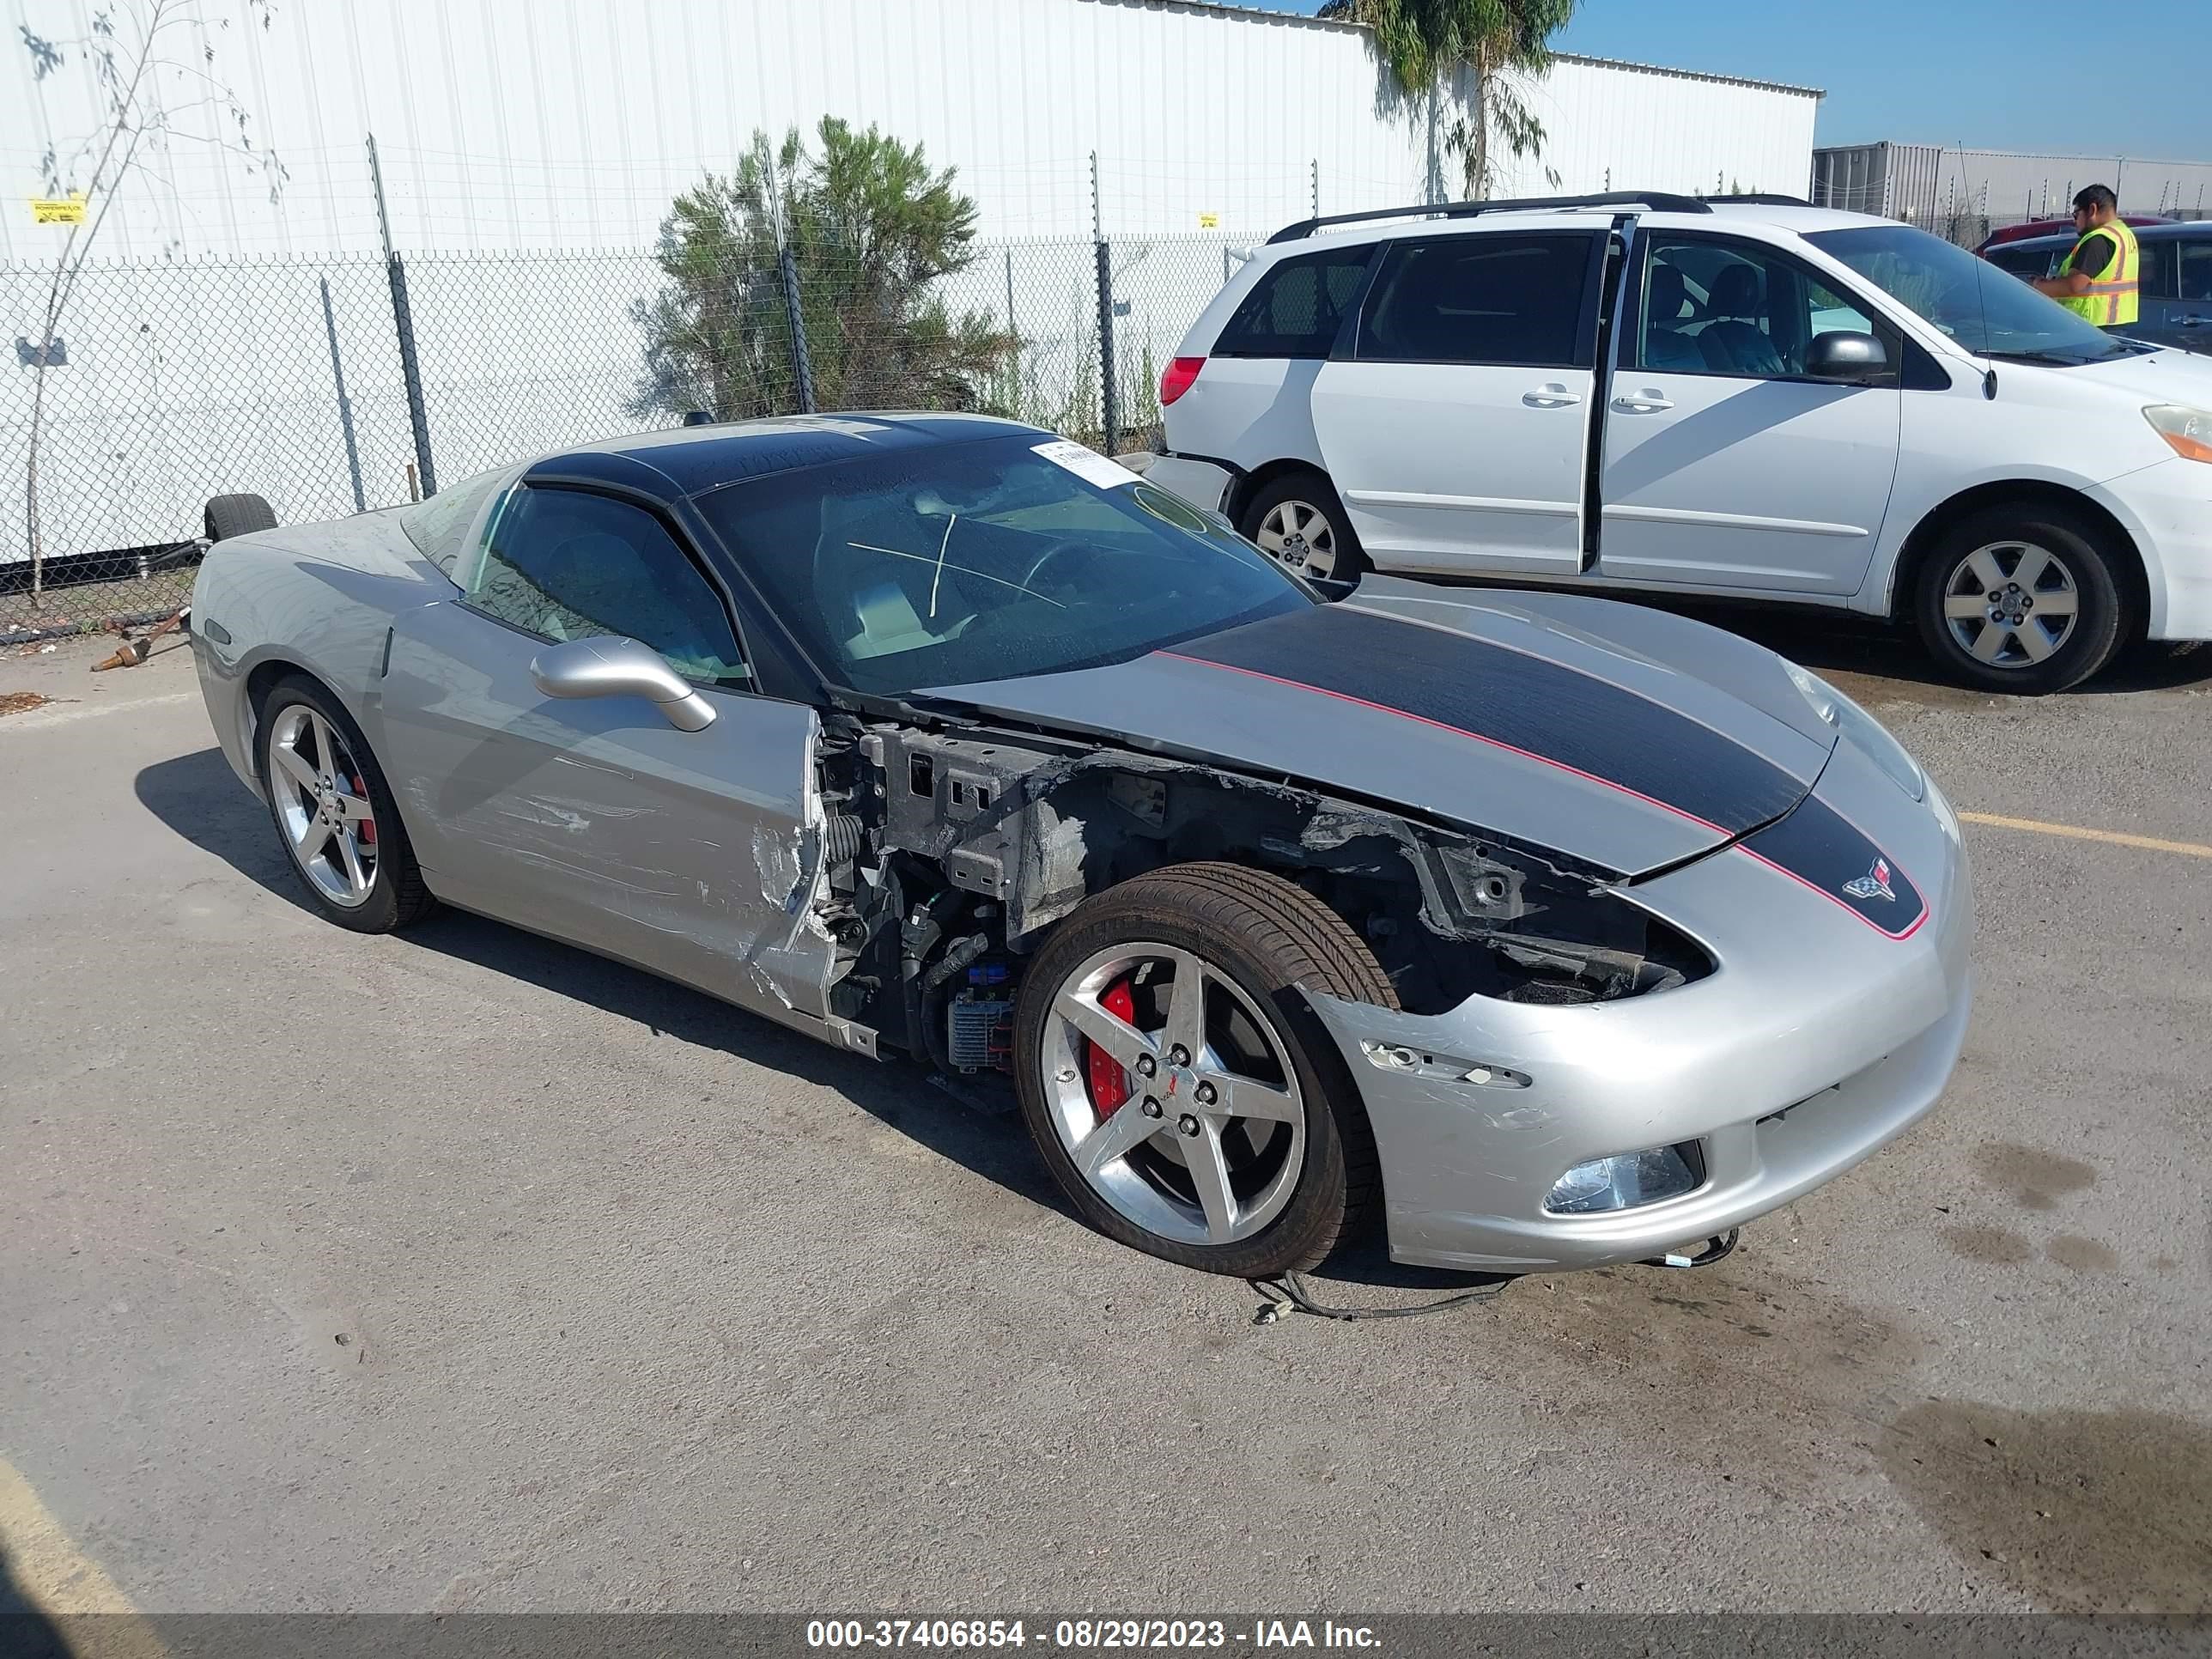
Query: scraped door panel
point(692, 854)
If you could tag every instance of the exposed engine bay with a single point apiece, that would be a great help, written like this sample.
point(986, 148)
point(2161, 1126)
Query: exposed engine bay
point(948, 855)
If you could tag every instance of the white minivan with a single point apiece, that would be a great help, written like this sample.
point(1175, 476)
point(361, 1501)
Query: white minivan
point(1746, 398)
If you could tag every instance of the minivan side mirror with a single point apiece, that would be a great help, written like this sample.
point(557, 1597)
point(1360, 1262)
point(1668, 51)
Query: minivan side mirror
point(1844, 358)
point(612, 667)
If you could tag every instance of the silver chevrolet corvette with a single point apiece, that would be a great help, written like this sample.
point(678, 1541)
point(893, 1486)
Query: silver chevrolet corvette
point(1562, 933)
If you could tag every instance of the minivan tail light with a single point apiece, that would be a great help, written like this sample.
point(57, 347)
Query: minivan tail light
point(1176, 379)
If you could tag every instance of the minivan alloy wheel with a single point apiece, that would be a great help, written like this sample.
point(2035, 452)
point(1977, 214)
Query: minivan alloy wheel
point(2011, 603)
point(1300, 535)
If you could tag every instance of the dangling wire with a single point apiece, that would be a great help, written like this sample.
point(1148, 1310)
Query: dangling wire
point(1287, 1292)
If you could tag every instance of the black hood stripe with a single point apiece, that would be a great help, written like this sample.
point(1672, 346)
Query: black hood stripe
point(1528, 705)
point(1819, 847)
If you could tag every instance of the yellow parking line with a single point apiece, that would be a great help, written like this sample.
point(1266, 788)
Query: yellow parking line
point(2076, 832)
point(50, 1573)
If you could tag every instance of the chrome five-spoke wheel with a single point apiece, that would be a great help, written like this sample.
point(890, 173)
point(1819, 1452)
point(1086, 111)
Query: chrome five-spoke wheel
point(2011, 603)
point(1172, 1095)
point(322, 805)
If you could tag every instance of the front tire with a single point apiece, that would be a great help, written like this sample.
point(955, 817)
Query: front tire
point(334, 814)
point(1298, 520)
point(1176, 1083)
point(2023, 600)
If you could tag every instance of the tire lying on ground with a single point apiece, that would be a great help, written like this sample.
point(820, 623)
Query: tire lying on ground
point(237, 515)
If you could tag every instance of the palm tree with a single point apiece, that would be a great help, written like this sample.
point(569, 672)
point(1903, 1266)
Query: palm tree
point(1426, 42)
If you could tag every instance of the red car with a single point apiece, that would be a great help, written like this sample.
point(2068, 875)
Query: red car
point(2055, 227)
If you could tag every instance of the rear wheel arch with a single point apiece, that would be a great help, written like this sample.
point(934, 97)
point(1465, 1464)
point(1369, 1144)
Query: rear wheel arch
point(1246, 485)
point(2028, 493)
point(1294, 481)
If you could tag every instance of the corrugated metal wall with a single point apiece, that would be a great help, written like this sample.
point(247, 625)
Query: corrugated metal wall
point(1928, 181)
point(541, 124)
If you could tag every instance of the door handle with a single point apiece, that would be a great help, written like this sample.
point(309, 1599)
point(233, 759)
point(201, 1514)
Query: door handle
point(1646, 402)
point(1550, 395)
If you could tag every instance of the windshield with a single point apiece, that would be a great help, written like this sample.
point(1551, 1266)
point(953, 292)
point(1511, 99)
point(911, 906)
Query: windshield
point(984, 561)
point(437, 523)
point(1984, 309)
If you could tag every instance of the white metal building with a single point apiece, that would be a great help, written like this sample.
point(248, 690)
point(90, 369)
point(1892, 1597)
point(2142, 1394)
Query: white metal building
point(517, 137)
point(530, 123)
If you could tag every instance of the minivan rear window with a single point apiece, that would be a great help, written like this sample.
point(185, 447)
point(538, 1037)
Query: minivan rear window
point(1295, 309)
point(1496, 298)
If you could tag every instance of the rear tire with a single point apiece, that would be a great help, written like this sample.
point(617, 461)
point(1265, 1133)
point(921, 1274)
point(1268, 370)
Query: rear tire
point(236, 515)
point(1296, 1172)
point(1298, 520)
point(2027, 599)
point(334, 814)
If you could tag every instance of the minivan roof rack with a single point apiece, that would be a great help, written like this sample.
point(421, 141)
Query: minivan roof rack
point(1762, 199)
point(1663, 201)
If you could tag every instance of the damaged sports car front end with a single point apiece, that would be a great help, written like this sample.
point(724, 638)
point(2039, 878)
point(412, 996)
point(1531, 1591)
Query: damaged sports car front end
point(1562, 932)
point(1679, 977)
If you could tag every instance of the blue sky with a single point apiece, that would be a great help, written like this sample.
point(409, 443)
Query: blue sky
point(1985, 73)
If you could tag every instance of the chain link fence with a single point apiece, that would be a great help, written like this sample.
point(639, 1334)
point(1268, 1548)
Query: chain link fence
point(332, 384)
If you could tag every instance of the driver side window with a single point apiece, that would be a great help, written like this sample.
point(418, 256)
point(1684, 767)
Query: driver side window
point(564, 564)
point(1737, 309)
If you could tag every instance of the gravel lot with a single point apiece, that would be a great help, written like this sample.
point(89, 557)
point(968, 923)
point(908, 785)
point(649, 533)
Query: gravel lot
point(463, 1271)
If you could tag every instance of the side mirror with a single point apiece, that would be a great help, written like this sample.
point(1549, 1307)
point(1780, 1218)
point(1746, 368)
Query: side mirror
point(612, 667)
point(1844, 358)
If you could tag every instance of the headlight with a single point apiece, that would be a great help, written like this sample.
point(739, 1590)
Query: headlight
point(2189, 430)
point(1868, 735)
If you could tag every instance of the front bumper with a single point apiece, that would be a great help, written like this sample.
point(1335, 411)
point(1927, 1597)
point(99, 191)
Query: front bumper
point(1816, 1040)
point(2167, 507)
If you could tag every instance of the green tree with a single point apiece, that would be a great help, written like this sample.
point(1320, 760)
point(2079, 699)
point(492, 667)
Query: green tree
point(1428, 43)
point(870, 230)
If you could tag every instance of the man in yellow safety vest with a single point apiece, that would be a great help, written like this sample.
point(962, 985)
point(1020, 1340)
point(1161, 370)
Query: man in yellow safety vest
point(2099, 278)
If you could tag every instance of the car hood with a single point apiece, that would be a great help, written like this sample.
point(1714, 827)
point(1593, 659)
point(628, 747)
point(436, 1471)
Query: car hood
point(1624, 738)
point(2170, 376)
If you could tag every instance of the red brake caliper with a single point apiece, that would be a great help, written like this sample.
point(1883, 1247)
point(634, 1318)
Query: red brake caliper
point(1109, 1083)
point(366, 830)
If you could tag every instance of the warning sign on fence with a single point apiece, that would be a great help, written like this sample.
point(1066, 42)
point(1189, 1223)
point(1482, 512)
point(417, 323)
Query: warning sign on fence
point(58, 210)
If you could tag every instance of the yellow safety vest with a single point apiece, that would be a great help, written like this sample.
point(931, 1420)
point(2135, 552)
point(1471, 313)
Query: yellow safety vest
point(2111, 300)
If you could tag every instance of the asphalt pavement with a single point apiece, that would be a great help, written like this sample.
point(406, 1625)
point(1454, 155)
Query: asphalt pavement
point(461, 1271)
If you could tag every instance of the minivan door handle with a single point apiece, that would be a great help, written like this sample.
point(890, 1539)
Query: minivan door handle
point(1646, 402)
point(1550, 395)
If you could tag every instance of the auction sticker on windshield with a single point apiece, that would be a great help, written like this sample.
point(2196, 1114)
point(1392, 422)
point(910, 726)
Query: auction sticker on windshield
point(1087, 465)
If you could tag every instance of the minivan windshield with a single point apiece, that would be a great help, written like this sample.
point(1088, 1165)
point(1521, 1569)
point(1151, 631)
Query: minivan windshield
point(1984, 309)
point(983, 560)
